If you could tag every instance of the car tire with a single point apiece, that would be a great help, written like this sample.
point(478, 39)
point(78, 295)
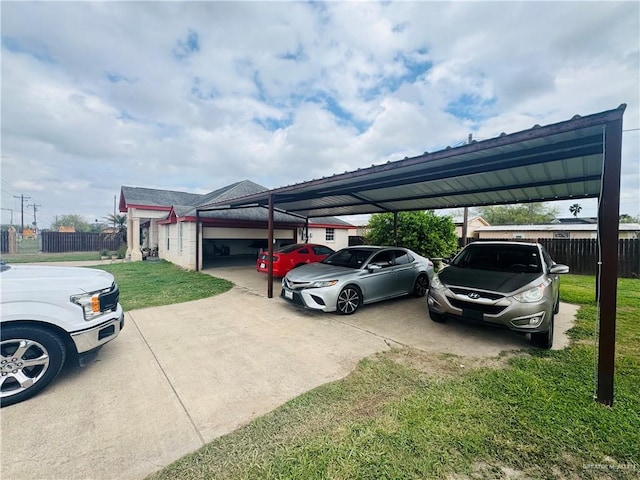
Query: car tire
point(544, 339)
point(437, 317)
point(556, 307)
point(421, 286)
point(31, 358)
point(349, 300)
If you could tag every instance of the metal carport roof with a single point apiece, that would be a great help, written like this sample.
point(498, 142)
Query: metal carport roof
point(577, 158)
point(554, 162)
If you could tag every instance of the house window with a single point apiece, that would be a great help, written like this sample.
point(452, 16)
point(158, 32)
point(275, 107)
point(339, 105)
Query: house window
point(330, 235)
point(180, 225)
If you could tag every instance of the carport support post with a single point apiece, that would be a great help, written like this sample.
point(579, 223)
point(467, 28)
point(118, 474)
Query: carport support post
point(395, 229)
point(270, 249)
point(607, 286)
point(197, 240)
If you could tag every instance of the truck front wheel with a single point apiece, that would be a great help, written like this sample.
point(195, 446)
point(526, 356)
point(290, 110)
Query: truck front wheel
point(31, 358)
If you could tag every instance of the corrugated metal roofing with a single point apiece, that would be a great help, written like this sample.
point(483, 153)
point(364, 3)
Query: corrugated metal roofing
point(555, 162)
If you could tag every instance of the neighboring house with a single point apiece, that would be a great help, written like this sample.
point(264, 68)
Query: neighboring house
point(165, 221)
point(566, 230)
point(473, 224)
point(575, 220)
point(358, 234)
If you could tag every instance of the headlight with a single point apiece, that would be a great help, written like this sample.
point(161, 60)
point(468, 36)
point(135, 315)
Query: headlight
point(327, 283)
point(534, 294)
point(436, 283)
point(90, 303)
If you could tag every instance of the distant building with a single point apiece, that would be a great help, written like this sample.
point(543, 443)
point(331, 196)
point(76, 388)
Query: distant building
point(473, 224)
point(575, 220)
point(164, 222)
point(558, 230)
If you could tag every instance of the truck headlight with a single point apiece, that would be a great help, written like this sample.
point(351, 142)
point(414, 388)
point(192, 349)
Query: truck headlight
point(90, 303)
point(534, 294)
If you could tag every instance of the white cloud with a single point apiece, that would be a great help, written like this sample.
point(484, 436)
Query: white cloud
point(94, 95)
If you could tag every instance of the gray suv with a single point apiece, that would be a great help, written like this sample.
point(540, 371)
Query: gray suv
point(508, 284)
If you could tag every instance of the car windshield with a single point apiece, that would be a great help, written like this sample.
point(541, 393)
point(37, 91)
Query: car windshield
point(500, 258)
point(349, 257)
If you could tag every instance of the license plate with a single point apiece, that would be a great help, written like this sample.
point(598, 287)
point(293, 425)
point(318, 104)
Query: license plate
point(473, 314)
point(262, 265)
point(288, 294)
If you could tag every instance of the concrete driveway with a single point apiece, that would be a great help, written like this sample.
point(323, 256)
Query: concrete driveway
point(181, 375)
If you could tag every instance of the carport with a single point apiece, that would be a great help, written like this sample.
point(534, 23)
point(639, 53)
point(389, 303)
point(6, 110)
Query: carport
point(577, 158)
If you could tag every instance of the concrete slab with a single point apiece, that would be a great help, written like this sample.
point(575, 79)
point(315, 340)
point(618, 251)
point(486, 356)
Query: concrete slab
point(241, 355)
point(116, 418)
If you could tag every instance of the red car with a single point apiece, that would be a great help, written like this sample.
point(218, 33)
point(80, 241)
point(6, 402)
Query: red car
point(291, 256)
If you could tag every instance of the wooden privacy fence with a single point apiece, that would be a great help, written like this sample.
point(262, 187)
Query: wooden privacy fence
point(581, 254)
point(4, 241)
point(57, 242)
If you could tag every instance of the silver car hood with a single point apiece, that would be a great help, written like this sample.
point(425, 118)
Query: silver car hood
point(319, 272)
point(502, 282)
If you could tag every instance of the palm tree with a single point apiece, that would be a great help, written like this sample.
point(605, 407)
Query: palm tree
point(575, 209)
point(119, 223)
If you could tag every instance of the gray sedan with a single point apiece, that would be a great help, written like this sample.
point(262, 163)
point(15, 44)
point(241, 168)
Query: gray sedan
point(356, 276)
point(508, 284)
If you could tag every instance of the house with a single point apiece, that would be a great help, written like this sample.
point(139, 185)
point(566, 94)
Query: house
point(473, 224)
point(164, 221)
point(556, 230)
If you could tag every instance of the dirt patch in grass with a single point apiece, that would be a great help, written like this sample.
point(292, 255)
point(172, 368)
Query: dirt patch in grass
point(443, 365)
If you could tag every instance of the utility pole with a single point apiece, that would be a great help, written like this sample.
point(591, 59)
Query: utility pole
point(35, 221)
point(22, 198)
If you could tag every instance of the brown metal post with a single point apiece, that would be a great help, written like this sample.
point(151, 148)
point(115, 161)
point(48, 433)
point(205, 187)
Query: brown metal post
point(608, 225)
point(270, 249)
point(197, 240)
point(395, 229)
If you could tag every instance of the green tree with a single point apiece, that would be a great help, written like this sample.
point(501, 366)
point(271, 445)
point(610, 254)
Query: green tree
point(76, 221)
point(626, 218)
point(575, 209)
point(520, 214)
point(423, 232)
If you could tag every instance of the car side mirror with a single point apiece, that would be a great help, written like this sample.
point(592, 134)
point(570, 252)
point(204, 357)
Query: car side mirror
point(559, 268)
point(374, 267)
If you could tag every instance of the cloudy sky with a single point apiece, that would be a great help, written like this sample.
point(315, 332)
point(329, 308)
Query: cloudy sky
point(195, 96)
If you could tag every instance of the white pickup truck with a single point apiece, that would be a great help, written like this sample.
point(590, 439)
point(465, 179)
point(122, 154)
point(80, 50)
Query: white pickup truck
point(50, 315)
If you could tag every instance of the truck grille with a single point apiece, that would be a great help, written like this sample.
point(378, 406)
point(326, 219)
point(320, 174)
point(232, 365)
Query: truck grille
point(109, 300)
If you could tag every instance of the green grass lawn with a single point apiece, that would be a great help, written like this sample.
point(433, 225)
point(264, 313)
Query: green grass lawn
point(408, 414)
point(151, 284)
point(51, 257)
